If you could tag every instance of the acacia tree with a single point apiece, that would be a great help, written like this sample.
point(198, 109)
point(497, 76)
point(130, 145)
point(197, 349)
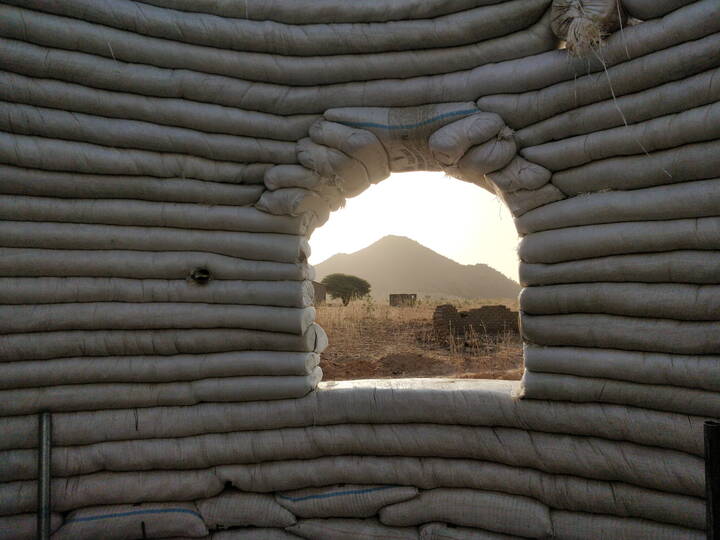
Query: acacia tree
point(346, 287)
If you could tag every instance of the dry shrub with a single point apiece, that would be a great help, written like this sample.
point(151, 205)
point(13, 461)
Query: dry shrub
point(375, 340)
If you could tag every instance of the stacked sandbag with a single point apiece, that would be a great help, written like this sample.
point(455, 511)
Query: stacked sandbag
point(163, 165)
point(374, 457)
point(620, 304)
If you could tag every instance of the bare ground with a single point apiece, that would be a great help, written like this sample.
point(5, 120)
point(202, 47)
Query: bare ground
point(374, 341)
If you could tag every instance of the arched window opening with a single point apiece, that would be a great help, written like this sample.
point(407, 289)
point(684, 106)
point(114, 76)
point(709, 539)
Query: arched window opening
point(450, 244)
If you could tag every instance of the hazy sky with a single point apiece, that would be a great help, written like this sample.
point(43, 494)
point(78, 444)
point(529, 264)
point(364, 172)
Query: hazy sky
point(456, 219)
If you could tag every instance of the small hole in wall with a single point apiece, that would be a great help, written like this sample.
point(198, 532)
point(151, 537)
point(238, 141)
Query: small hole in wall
point(201, 276)
point(444, 241)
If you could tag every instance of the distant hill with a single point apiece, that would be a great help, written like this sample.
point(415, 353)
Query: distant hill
point(396, 264)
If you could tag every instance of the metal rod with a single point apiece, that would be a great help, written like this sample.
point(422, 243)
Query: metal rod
point(712, 478)
point(44, 475)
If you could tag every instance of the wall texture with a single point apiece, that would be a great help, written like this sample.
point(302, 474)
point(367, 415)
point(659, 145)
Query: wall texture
point(162, 165)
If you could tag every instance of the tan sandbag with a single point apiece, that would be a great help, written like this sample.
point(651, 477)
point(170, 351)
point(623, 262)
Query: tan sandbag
point(678, 301)
point(297, 202)
point(112, 488)
point(47, 345)
point(359, 144)
point(85, 397)
point(694, 125)
point(575, 526)
point(665, 59)
point(256, 246)
point(696, 372)
point(586, 457)
point(253, 533)
point(398, 401)
point(619, 332)
point(295, 12)
point(587, 389)
point(345, 500)
point(557, 491)
point(126, 522)
point(350, 529)
point(24, 526)
point(474, 24)
point(36, 182)
point(206, 117)
point(237, 509)
point(52, 290)
point(651, 9)
point(18, 319)
point(153, 214)
point(523, 200)
point(449, 143)
point(532, 449)
point(82, 157)
point(291, 176)
point(592, 241)
point(520, 174)
point(155, 369)
point(668, 98)
point(73, 34)
point(490, 79)
point(668, 267)
point(24, 262)
point(489, 510)
point(489, 156)
point(334, 167)
point(675, 201)
point(442, 531)
point(134, 134)
point(696, 161)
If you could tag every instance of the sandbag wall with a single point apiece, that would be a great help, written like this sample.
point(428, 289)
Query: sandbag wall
point(396, 459)
point(163, 164)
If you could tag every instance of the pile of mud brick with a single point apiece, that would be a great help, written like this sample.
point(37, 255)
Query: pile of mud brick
point(487, 320)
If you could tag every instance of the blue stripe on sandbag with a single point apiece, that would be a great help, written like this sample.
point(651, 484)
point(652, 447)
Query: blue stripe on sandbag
point(135, 513)
point(336, 494)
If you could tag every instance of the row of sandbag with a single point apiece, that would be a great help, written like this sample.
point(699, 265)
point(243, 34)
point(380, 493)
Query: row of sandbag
point(561, 491)
point(169, 186)
point(646, 467)
point(471, 25)
point(519, 32)
point(668, 98)
point(553, 383)
point(85, 370)
point(425, 401)
point(309, 12)
point(343, 512)
point(613, 72)
point(676, 46)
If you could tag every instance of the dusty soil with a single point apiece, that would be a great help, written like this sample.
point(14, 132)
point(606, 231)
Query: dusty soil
point(374, 341)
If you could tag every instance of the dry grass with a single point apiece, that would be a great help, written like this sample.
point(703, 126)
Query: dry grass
point(373, 340)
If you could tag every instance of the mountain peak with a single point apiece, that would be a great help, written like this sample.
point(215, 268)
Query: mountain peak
point(398, 264)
